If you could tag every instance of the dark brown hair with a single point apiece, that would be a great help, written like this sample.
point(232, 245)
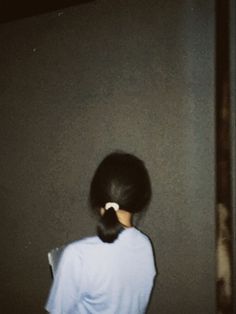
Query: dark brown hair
point(121, 178)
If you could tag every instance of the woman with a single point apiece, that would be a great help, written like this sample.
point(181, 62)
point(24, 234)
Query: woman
point(113, 272)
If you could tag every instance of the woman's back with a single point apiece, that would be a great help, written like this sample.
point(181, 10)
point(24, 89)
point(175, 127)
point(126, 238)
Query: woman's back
point(105, 278)
point(113, 272)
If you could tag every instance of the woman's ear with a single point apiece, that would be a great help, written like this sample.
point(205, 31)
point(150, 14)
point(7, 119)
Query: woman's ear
point(102, 211)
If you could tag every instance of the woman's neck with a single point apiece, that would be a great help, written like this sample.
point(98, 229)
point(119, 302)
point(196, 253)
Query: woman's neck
point(125, 218)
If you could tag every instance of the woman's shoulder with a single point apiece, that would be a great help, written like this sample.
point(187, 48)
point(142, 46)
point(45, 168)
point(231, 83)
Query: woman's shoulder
point(86, 242)
point(135, 238)
point(138, 233)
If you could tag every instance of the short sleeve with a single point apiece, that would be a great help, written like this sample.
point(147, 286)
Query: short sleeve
point(67, 284)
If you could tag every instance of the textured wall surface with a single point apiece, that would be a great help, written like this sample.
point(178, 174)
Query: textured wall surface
point(78, 84)
point(233, 126)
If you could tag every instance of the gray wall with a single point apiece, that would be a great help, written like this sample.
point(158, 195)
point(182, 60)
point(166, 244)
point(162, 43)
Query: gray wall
point(78, 84)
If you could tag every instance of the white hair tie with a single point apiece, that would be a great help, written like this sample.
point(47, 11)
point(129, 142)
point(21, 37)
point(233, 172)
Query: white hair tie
point(113, 205)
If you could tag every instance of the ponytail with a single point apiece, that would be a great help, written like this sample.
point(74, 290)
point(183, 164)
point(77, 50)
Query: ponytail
point(120, 181)
point(109, 226)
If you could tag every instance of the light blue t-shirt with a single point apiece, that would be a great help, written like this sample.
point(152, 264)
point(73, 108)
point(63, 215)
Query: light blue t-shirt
point(109, 278)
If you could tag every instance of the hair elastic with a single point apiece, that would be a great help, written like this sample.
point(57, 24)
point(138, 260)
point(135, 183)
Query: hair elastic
point(113, 205)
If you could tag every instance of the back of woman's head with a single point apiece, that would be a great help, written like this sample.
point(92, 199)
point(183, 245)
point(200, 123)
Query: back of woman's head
point(123, 179)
